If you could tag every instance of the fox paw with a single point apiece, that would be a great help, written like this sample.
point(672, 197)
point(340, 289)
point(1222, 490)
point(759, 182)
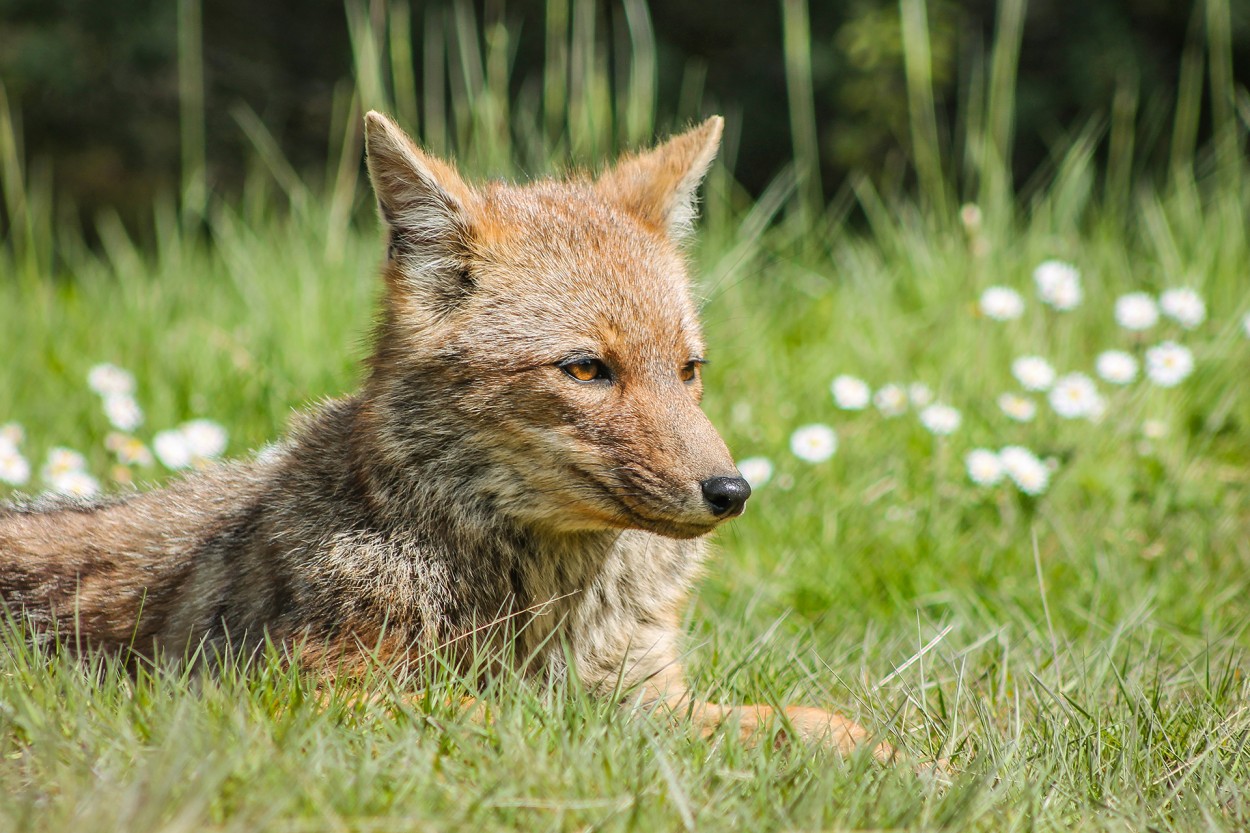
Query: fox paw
point(817, 726)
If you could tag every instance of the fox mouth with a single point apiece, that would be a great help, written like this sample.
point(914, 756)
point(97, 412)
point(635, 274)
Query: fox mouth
point(669, 527)
point(639, 513)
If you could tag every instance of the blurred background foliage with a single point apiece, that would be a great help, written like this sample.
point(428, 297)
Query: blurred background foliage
point(97, 85)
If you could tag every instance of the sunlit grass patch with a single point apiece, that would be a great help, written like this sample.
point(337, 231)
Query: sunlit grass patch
point(1001, 461)
point(1071, 636)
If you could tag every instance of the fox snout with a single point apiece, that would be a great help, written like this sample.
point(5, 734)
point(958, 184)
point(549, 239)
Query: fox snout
point(667, 464)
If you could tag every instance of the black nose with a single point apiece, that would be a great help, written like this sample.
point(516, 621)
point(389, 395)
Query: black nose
point(726, 495)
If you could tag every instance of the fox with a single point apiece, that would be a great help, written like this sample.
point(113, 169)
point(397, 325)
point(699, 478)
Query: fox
point(527, 443)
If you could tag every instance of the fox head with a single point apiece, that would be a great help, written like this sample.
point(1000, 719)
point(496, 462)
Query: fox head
point(542, 338)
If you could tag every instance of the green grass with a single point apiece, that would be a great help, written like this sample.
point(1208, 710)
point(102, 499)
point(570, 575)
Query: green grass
point(1089, 646)
point(1080, 657)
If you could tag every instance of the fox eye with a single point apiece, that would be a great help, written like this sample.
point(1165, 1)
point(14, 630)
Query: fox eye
point(587, 370)
point(690, 371)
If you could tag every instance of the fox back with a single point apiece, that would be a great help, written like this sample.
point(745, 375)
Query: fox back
point(527, 447)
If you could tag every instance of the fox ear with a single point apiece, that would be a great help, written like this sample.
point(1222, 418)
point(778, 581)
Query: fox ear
point(660, 185)
point(423, 200)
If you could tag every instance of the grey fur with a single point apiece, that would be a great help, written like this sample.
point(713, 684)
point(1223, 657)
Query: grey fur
point(472, 498)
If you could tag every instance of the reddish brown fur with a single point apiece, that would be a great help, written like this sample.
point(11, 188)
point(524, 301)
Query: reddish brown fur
point(472, 477)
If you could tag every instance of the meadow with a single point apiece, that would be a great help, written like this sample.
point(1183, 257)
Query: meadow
point(1044, 582)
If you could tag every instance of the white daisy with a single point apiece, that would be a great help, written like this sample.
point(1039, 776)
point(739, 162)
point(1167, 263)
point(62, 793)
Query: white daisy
point(1034, 372)
point(130, 451)
point(1169, 363)
point(107, 379)
point(1136, 311)
point(11, 434)
point(1019, 408)
point(1030, 474)
point(61, 461)
point(1058, 284)
point(940, 419)
point(984, 467)
point(1075, 395)
point(891, 400)
point(1184, 306)
point(814, 443)
point(1001, 303)
point(756, 470)
point(970, 216)
point(850, 393)
point(1066, 296)
point(123, 411)
point(135, 453)
point(1116, 367)
point(272, 452)
point(172, 450)
point(920, 394)
point(206, 439)
point(14, 469)
point(75, 484)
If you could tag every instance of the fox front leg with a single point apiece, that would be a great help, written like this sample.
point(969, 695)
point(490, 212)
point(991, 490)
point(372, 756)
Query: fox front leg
point(757, 723)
